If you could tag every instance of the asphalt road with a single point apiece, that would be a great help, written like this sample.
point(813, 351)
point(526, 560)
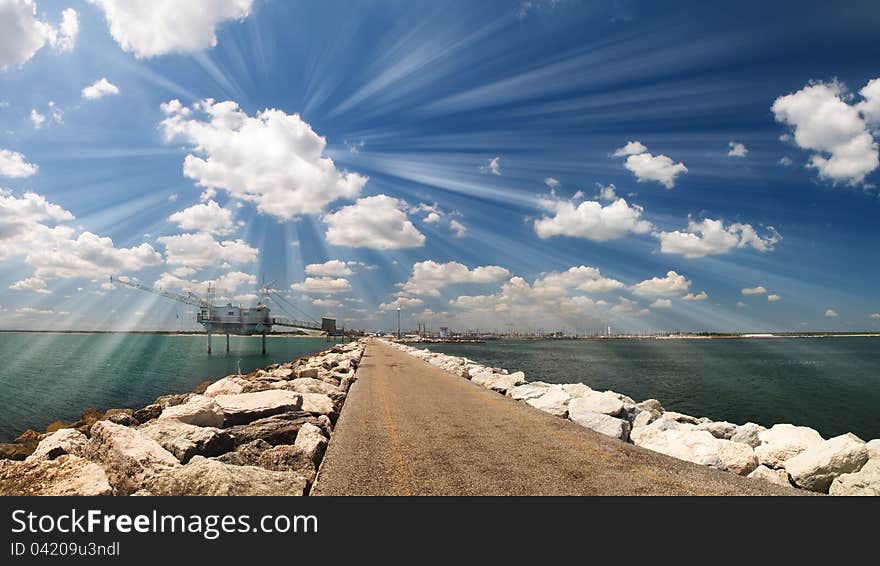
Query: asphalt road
point(408, 428)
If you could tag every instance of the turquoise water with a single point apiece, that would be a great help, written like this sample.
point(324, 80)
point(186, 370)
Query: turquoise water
point(830, 384)
point(45, 377)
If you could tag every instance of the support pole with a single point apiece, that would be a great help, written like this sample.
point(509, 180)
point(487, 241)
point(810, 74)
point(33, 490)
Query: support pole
point(264, 343)
point(227, 342)
point(208, 328)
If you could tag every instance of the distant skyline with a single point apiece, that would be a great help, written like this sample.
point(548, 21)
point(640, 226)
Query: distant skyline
point(488, 165)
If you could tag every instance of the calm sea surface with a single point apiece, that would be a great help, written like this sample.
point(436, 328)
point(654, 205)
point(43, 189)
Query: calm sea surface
point(830, 384)
point(44, 377)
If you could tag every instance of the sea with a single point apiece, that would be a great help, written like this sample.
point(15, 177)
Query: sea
point(831, 384)
point(49, 376)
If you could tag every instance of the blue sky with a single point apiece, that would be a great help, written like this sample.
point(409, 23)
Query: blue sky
point(454, 158)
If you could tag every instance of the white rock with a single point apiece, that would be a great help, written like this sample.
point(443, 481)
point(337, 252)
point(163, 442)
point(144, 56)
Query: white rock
point(246, 407)
point(643, 419)
point(817, 466)
point(312, 441)
point(601, 423)
point(204, 476)
point(652, 405)
point(784, 441)
point(873, 448)
point(186, 440)
point(864, 482)
point(129, 457)
point(699, 447)
point(317, 403)
point(779, 477)
point(681, 418)
point(62, 441)
point(225, 386)
point(576, 389)
point(721, 429)
point(66, 475)
point(596, 402)
point(503, 382)
point(554, 401)
point(748, 434)
point(199, 410)
point(310, 385)
point(528, 390)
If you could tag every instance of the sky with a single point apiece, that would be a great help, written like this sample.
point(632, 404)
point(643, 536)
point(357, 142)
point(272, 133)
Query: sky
point(499, 165)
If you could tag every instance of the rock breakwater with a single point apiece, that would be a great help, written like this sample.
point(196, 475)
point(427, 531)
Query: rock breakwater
point(258, 434)
point(783, 454)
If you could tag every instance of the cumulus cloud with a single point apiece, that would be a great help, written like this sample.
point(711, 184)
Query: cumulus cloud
point(737, 149)
point(201, 250)
point(712, 237)
point(773, 298)
point(551, 182)
point(759, 290)
point(875, 316)
point(99, 89)
point(377, 222)
point(459, 230)
point(662, 304)
point(14, 164)
point(332, 268)
point(225, 285)
point(492, 166)
point(824, 122)
point(701, 296)
point(273, 160)
point(831, 313)
point(37, 119)
point(648, 167)
point(429, 277)
point(591, 220)
point(22, 34)
point(207, 217)
point(870, 106)
point(672, 284)
point(323, 285)
point(148, 28)
point(401, 303)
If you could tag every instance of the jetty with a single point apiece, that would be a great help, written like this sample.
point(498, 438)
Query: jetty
point(410, 428)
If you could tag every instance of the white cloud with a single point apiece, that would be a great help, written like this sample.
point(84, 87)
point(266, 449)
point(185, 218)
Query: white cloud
point(824, 122)
point(327, 304)
point(785, 161)
point(14, 164)
point(377, 222)
point(273, 160)
point(741, 304)
point(773, 298)
point(492, 166)
point(662, 304)
point(401, 303)
point(99, 89)
point(37, 119)
point(551, 182)
point(701, 296)
point(648, 167)
point(208, 217)
point(459, 230)
point(34, 284)
point(591, 220)
point(759, 290)
point(332, 268)
point(710, 237)
point(429, 277)
point(831, 313)
point(630, 307)
point(607, 192)
point(672, 284)
point(323, 285)
point(580, 278)
point(737, 149)
point(22, 34)
point(201, 250)
point(875, 316)
point(148, 28)
point(870, 106)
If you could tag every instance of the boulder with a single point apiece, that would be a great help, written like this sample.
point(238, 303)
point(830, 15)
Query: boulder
point(528, 391)
point(576, 389)
point(816, 467)
point(317, 404)
point(554, 401)
point(203, 476)
point(699, 447)
point(199, 410)
point(503, 382)
point(652, 405)
point(346, 382)
point(784, 441)
point(748, 434)
point(227, 386)
point(312, 442)
point(722, 429)
point(864, 482)
point(62, 441)
point(129, 457)
point(277, 429)
point(281, 458)
point(148, 413)
point(281, 373)
point(123, 417)
point(779, 477)
point(65, 475)
point(873, 448)
point(596, 402)
point(246, 407)
point(643, 419)
point(601, 423)
point(186, 440)
point(681, 418)
point(308, 372)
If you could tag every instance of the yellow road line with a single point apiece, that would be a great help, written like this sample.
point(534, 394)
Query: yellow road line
point(392, 433)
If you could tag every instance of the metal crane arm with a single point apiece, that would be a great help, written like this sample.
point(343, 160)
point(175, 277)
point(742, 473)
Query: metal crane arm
point(188, 298)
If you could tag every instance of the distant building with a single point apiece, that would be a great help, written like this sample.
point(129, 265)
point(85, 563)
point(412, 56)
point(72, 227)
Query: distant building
point(444, 332)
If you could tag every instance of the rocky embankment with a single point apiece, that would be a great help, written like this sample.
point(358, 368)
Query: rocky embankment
point(783, 454)
point(258, 434)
